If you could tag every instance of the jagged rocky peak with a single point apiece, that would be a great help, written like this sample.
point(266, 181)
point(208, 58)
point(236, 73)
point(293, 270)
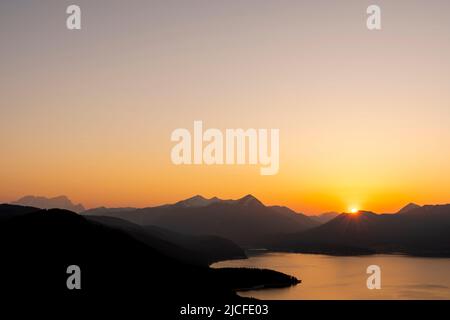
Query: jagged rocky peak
point(59, 202)
point(409, 207)
point(249, 200)
point(197, 201)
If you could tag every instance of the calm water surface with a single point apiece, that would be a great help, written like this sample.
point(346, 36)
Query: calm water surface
point(329, 277)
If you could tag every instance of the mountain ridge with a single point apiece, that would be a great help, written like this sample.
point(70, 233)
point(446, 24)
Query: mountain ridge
point(245, 220)
point(423, 231)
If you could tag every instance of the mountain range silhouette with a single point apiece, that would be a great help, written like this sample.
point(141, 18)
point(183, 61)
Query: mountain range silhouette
point(163, 253)
point(414, 229)
point(246, 221)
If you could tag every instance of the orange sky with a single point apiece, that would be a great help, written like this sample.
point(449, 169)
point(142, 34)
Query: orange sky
point(364, 117)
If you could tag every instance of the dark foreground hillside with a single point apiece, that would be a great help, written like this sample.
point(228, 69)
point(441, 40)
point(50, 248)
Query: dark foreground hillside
point(199, 250)
point(37, 246)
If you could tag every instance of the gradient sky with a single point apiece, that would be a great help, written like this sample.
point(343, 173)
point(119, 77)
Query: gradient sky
point(364, 116)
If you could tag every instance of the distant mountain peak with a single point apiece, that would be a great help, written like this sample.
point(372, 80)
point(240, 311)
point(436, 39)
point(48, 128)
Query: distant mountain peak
point(249, 200)
point(59, 202)
point(197, 201)
point(409, 207)
point(197, 197)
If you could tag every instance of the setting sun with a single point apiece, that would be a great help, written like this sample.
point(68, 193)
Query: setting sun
point(354, 210)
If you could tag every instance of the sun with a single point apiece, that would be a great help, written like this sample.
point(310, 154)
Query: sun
point(354, 210)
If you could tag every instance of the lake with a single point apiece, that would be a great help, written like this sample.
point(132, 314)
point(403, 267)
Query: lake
point(337, 277)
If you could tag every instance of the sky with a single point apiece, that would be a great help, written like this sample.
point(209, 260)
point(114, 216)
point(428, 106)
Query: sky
point(364, 116)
